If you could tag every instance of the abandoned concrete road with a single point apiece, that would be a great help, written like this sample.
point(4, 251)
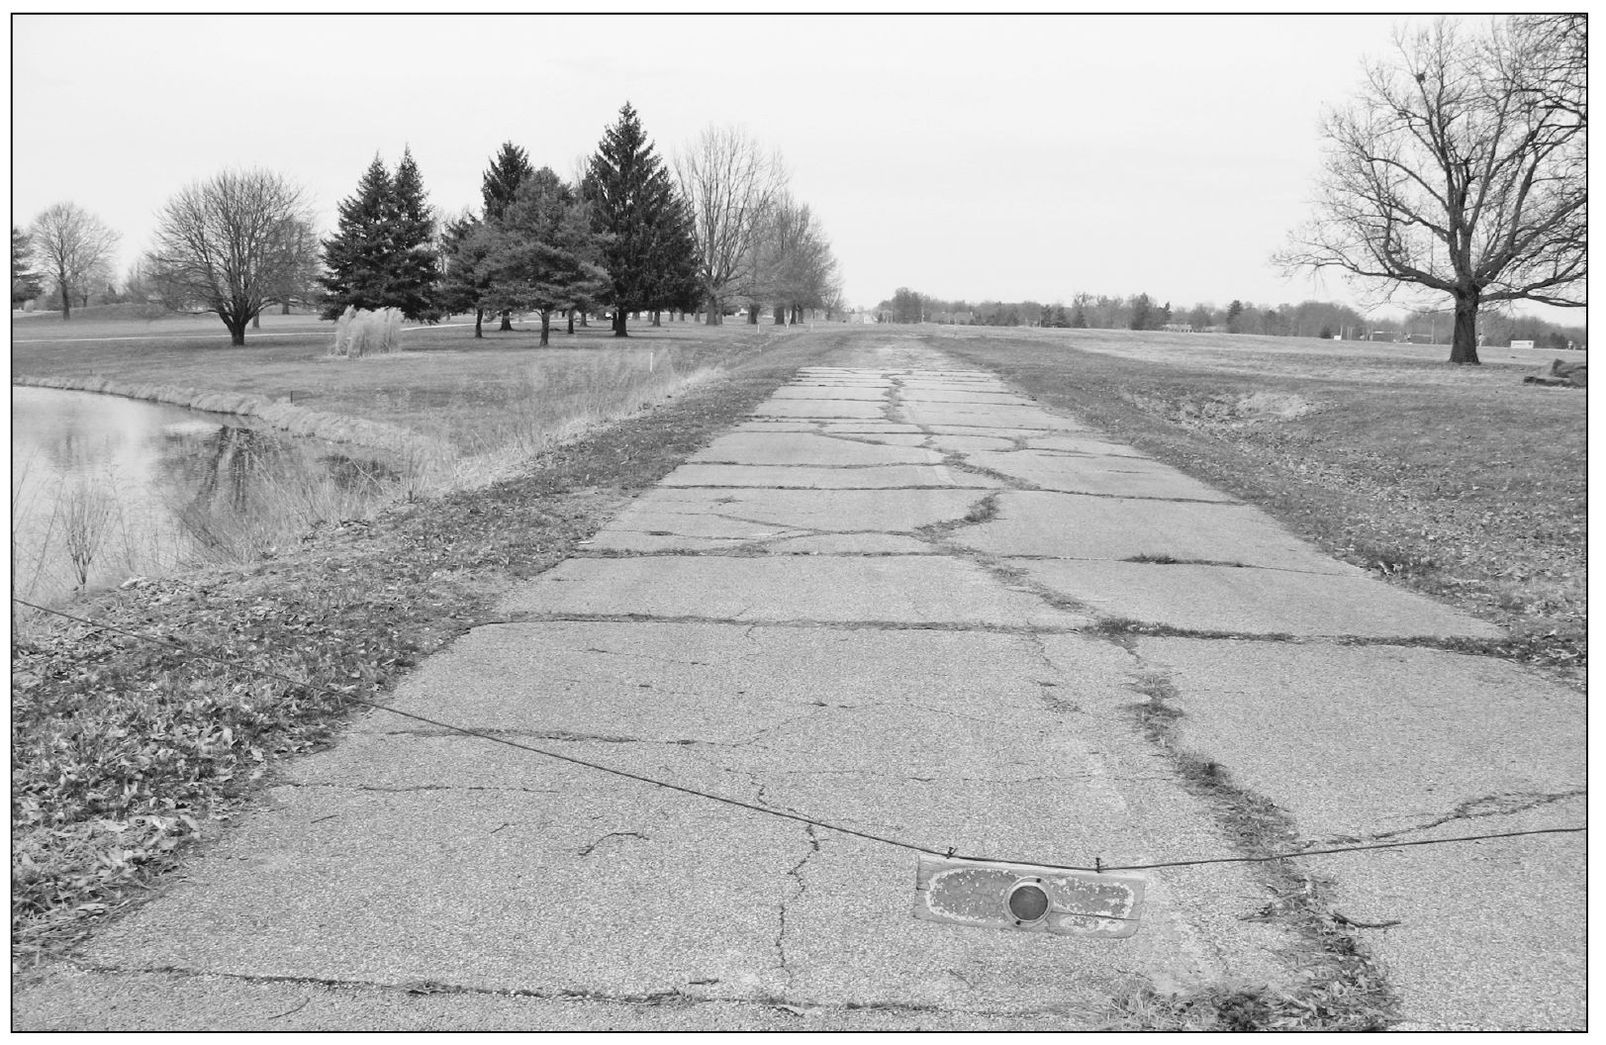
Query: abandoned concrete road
point(892, 600)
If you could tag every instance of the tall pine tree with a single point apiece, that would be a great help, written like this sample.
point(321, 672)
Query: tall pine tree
point(633, 201)
point(356, 257)
point(500, 187)
point(417, 266)
point(382, 255)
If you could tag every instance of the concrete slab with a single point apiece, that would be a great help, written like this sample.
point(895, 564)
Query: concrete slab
point(868, 393)
point(887, 589)
point(997, 431)
point(1081, 444)
point(968, 396)
point(1252, 600)
point(717, 684)
point(931, 414)
point(795, 448)
point(666, 518)
point(1111, 476)
point(869, 428)
point(1478, 947)
point(818, 408)
point(816, 478)
point(851, 544)
point(1334, 734)
point(1080, 527)
point(1386, 743)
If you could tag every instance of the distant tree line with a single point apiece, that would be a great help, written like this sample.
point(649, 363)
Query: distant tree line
point(714, 233)
point(1321, 319)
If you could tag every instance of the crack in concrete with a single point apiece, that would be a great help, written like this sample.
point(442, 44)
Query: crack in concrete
point(587, 850)
point(561, 735)
point(796, 874)
point(1506, 803)
point(396, 789)
point(413, 986)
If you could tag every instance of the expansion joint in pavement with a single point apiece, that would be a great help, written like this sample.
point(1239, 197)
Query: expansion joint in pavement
point(748, 624)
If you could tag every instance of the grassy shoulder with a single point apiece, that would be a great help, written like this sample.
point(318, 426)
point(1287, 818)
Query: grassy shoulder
point(1462, 483)
point(123, 752)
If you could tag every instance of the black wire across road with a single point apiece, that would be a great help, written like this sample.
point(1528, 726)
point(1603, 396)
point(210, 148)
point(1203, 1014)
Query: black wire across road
point(1098, 867)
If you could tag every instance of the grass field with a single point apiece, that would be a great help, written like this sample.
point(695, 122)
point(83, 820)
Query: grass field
point(471, 397)
point(1461, 482)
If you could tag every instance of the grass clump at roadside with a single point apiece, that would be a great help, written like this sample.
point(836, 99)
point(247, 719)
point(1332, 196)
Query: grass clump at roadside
point(122, 751)
point(1461, 483)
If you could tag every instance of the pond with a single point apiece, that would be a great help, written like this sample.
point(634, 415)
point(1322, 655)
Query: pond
point(105, 488)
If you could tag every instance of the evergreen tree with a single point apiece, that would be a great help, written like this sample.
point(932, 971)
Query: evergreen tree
point(25, 283)
point(468, 270)
point(357, 257)
point(1234, 310)
point(634, 202)
point(382, 255)
point(1142, 313)
point(416, 268)
point(508, 170)
point(673, 261)
point(549, 255)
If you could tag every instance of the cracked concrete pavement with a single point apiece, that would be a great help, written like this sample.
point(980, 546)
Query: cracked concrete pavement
point(874, 603)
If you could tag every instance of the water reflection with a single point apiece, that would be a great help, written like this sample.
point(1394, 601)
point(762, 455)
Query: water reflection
point(103, 488)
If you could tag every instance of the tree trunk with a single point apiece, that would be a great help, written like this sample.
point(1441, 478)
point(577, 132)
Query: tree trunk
point(716, 313)
point(571, 320)
point(752, 315)
point(66, 297)
point(236, 331)
point(479, 319)
point(619, 323)
point(655, 318)
point(284, 309)
point(780, 315)
point(585, 318)
point(546, 325)
point(1464, 345)
point(256, 321)
point(507, 321)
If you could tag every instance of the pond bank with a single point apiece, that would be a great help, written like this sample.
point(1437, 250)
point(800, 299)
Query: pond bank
point(277, 413)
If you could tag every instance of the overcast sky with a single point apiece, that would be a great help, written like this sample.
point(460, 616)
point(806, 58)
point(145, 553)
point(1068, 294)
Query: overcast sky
point(979, 157)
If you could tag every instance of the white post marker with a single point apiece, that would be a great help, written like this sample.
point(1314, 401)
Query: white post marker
point(1027, 898)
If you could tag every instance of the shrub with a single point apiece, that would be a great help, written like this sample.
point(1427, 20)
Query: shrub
point(361, 332)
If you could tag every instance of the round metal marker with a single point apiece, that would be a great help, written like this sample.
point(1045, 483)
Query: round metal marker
point(1028, 902)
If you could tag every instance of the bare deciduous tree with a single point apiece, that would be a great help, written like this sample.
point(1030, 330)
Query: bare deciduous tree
point(232, 245)
point(74, 246)
point(730, 186)
point(1457, 172)
point(796, 268)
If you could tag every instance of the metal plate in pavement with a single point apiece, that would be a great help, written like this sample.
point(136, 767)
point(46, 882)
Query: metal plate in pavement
point(1027, 898)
